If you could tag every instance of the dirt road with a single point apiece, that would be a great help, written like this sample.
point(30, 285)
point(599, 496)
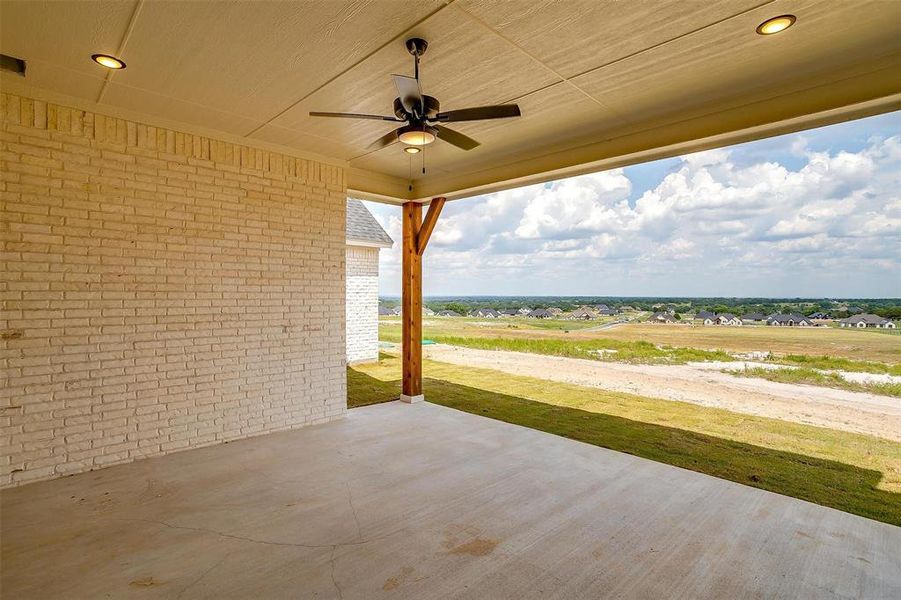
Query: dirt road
point(837, 409)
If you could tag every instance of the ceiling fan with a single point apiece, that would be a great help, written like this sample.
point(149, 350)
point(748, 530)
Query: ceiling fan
point(421, 113)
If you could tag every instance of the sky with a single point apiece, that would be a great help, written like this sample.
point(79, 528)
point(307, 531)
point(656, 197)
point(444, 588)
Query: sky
point(811, 214)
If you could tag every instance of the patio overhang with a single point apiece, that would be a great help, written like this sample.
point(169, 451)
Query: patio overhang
point(600, 85)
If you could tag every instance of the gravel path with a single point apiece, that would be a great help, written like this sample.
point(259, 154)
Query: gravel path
point(826, 407)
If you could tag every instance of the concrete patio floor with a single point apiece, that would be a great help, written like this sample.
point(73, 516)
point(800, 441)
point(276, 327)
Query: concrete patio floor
point(421, 501)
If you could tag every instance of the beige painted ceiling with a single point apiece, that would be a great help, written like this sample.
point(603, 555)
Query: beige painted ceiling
point(601, 83)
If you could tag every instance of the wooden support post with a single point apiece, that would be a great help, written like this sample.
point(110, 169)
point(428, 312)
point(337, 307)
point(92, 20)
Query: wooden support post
point(416, 235)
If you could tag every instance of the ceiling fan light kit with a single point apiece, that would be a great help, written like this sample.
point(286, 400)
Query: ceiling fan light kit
point(417, 136)
point(421, 113)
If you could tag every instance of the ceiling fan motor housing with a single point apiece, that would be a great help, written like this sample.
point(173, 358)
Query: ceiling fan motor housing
point(430, 112)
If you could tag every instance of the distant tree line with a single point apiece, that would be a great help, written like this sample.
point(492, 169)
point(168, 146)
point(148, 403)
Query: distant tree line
point(889, 308)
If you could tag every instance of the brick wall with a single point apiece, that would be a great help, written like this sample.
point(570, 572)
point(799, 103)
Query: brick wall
point(362, 304)
point(161, 291)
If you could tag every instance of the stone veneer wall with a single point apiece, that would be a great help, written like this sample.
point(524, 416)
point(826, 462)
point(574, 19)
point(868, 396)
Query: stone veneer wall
point(161, 291)
point(362, 304)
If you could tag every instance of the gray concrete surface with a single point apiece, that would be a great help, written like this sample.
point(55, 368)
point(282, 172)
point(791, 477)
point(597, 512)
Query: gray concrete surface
point(420, 501)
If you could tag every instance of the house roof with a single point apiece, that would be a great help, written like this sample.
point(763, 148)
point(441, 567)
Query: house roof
point(785, 318)
point(865, 318)
point(363, 229)
point(596, 90)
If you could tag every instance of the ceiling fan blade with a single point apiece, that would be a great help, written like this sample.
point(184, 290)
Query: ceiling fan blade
point(353, 116)
point(456, 138)
point(409, 92)
point(385, 140)
point(479, 113)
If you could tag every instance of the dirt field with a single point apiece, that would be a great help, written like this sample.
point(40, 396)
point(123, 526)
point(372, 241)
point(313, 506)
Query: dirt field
point(825, 407)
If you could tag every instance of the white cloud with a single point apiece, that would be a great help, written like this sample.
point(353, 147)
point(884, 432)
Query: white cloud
point(718, 223)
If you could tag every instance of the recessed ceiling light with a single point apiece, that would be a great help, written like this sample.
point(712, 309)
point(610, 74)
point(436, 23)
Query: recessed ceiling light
point(776, 24)
point(411, 150)
point(110, 62)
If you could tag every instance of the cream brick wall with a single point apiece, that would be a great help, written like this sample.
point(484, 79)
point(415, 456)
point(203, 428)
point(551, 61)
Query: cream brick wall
point(362, 304)
point(161, 291)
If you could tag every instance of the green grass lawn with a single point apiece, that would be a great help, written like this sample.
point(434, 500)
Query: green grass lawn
point(808, 376)
point(851, 472)
point(615, 350)
point(618, 350)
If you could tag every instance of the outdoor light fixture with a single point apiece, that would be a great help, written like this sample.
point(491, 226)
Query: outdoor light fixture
point(417, 135)
point(110, 62)
point(776, 24)
point(412, 150)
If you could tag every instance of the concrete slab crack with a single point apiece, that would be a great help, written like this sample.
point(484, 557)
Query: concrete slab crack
point(350, 500)
point(332, 573)
point(202, 575)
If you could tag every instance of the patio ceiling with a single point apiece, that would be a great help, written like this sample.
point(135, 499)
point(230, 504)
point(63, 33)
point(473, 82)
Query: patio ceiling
point(600, 84)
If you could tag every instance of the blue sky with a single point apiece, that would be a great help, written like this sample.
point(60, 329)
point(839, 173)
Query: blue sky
point(816, 213)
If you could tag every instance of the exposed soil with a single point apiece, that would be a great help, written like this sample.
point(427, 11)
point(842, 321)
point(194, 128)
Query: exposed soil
point(825, 407)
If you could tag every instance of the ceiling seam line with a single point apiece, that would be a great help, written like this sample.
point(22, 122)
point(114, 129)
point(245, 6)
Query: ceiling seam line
point(125, 37)
point(622, 58)
point(532, 57)
point(354, 65)
point(677, 38)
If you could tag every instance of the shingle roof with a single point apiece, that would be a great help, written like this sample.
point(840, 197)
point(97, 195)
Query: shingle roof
point(362, 226)
point(785, 318)
point(866, 318)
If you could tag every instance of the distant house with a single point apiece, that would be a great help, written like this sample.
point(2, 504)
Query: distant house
point(753, 317)
point(396, 311)
point(706, 317)
point(662, 317)
point(728, 319)
point(508, 312)
point(525, 310)
point(627, 308)
point(819, 315)
point(582, 313)
point(384, 312)
point(601, 307)
point(790, 320)
point(554, 310)
point(867, 320)
point(427, 312)
point(364, 238)
point(448, 313)
point(540, 313)
point(855, 310)
point(485, 313)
